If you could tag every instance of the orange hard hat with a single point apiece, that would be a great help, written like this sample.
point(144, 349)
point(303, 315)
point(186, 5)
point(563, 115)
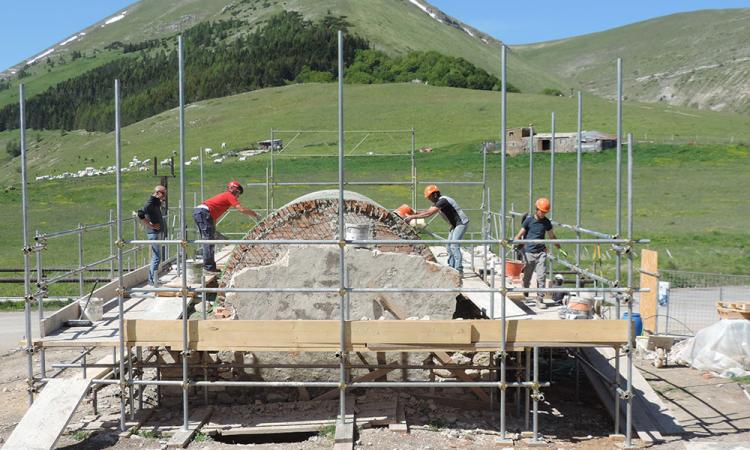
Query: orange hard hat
point(542, 204)
point(429, 190)
point(404, 210)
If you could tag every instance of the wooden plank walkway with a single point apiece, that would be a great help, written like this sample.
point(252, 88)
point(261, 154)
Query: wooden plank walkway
point(45, 420)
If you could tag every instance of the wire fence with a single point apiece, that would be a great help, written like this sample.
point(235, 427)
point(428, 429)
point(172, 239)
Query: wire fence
point(693, 296)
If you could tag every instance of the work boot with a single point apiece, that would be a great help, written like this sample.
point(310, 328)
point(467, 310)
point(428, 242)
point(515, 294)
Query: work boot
point(540, 304)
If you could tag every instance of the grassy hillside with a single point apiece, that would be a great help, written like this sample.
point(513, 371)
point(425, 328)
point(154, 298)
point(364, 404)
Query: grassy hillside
point(394, 26)
point(699, 59)
point(440, 116)
point(683, 193)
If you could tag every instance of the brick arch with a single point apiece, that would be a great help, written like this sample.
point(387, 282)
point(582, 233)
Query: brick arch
point(315, 216)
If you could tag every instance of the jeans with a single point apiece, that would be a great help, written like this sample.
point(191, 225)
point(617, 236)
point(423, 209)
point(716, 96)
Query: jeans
point(535, 263)
point(207, 229)
point(153, 271)
point(455, 259)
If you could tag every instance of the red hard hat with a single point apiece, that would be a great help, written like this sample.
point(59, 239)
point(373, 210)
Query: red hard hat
point(429, 190)
point(235, 186)
point(542, 204)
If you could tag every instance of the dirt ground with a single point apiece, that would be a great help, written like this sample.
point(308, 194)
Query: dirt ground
point(715, 413)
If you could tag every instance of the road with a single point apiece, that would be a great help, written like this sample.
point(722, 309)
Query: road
point(12, 329)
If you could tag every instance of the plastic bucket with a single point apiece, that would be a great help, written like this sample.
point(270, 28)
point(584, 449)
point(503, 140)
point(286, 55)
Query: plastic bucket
point(513, 268)
point(636, 320)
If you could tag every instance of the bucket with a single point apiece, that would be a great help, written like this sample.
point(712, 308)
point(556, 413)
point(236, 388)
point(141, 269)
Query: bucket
point(513, 268)
point(636, 320)
point(583, 304)
point(94, 310)
point(357, 232)
point(194, 271)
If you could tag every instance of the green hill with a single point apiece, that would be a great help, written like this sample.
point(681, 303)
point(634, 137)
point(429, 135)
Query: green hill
point(394, 26)
point(699, 59)
point(440, 116)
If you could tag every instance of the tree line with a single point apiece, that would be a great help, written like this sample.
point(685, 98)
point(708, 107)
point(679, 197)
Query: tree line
point(219, 61)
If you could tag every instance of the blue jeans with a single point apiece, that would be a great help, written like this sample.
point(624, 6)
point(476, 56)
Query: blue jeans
point(206, 227)
point(153, 272)
point(455, 259)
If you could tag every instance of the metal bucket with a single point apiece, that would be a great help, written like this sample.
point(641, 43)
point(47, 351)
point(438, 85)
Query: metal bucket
point(357, 232)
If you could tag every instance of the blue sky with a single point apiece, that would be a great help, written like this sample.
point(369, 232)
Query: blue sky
point(31, 26)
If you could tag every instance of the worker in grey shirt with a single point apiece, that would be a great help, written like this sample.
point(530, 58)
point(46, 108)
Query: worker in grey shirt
point(454, 215)
point(536, 226)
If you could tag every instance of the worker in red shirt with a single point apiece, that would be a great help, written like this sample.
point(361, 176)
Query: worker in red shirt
point(207, 214)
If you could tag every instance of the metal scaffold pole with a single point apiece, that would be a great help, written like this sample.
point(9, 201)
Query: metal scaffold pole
point(119, 243)
point(618, 233)
point(552, 149)
point(579, 151)
point(28, 298)
point(503, 233)
point(629, 392)
point(413, 171)
point(342, 243)
point(183, 236)
point(531, 170)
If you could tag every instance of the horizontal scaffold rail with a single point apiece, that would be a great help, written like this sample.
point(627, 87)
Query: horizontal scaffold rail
point(373, 335)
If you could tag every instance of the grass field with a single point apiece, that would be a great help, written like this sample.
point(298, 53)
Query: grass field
point(682, 196)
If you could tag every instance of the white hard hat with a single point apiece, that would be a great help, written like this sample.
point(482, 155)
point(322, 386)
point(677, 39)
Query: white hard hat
point(559, 277)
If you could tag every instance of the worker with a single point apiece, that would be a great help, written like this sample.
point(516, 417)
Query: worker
point(536, 226)
point(453, 214)
point(208, 213)
point(152, 219)
point(558, 297)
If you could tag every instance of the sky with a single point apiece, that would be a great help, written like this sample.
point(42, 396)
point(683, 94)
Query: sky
point(31, 26)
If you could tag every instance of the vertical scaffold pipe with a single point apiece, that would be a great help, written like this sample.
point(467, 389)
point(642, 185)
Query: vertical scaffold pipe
point(413, 170)
point(552, 187)
point(203, 189)
point(579, 151)
point(120, 285)
point(40, 305)
point(535, 396)
point(26, 271)
point(618, 232)
point(183, 236)
point(629, 415)
point(273, 169)
point(342, 245)
point(503, 233)
point(531, 170)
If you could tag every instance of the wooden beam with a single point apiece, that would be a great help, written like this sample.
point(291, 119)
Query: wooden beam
point(376, 335)
point(649, 265)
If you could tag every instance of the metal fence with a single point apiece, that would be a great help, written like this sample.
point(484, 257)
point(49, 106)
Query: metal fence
point(693, 297)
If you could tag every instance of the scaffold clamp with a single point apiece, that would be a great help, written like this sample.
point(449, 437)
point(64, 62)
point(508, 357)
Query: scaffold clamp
point(342, 243)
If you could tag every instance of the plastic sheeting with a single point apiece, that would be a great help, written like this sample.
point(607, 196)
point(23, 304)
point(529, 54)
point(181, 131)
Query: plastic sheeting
point(723, 348)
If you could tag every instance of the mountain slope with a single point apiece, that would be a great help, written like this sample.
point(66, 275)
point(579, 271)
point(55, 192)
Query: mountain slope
point(394, 26)
point(699, 59)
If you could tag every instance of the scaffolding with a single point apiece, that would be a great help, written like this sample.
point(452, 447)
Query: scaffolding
point(494, 234)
